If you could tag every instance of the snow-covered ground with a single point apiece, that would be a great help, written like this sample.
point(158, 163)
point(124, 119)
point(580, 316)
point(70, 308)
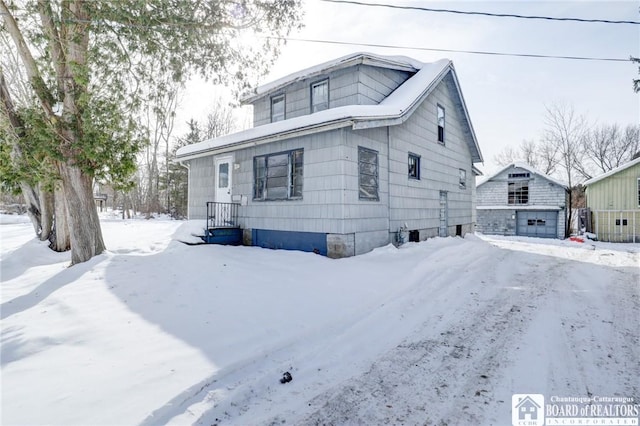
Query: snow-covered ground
point(440, 332)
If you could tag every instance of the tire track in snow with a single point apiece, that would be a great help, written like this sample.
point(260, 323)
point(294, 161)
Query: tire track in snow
point(453, 369)
point(600, 327)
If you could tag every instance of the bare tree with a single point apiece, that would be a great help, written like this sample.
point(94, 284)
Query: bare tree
point(541, 156)
point(565, 131)
point(508, 155)
point(609, 146)
point(160, 116)
point(220, 120)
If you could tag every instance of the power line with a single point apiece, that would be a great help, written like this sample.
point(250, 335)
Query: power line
point(433, 49)
point(497, 15)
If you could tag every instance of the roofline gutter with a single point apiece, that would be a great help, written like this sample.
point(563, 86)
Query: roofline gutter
point(261, 140)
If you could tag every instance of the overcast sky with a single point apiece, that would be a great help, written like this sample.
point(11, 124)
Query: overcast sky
point(505, 96)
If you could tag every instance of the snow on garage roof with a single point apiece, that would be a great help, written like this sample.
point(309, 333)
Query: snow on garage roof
point(527, 167)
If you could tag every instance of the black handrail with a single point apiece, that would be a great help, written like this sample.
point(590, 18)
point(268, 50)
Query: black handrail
point(222, 215)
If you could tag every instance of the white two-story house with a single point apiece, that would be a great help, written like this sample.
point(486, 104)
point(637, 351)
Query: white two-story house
point(345, 157)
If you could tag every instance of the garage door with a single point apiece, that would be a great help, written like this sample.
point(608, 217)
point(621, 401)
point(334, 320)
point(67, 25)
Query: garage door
point(543, 224)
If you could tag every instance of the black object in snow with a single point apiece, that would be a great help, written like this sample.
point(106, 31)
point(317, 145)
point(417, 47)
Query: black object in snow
point(286, 378)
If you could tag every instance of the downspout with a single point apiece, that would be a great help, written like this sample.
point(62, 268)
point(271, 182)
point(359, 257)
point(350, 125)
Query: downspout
point(188, 167)
point(389, 184)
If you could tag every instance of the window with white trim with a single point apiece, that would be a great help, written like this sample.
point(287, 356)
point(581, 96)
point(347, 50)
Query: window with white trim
point(320, 95)
point(278, 176)
point(638, 192)
point(277, 108)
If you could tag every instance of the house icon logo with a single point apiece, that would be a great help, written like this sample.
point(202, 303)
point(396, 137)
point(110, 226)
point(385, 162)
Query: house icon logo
point(527, 410)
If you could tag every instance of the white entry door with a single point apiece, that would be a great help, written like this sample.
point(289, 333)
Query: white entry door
point(223, 176)
point(223, 179)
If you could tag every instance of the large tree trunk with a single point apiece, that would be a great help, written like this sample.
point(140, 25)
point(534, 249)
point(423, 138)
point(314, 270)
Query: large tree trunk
point(47, 211)
point(84, 224)
point(60, 240)
point(33, 206)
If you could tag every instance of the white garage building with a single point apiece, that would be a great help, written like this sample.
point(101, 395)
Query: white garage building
point(519, 200)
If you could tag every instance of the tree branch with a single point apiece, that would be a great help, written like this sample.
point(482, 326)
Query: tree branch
point(46, 17)
point(33, 73)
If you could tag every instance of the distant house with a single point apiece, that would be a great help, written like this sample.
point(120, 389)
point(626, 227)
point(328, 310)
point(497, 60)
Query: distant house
point(614, 201)
point(343, 157)
point(519, 200)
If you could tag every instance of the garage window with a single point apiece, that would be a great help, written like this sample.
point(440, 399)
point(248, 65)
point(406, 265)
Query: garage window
point(518, 192)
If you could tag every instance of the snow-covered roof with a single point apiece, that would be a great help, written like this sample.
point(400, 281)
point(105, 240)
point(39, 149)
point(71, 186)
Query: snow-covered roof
point(612, 172)
point(394, 109)
point(527, 167)
point(402, 63)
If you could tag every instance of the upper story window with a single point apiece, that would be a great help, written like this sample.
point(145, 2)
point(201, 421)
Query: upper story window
point(320, 96)
point(518, 192)
point(414, 166)
point(367, 174)
point(463, 178)
point(277, 108)
point(440, 124)
point(638, 192)
point(278, 176)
